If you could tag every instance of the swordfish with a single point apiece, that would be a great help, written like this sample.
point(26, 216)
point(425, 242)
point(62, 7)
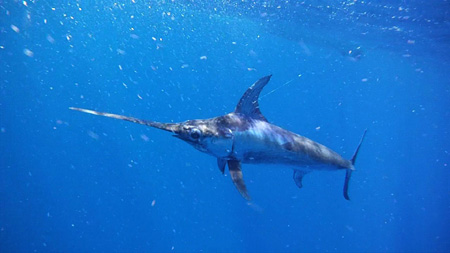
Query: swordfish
point(245, 136)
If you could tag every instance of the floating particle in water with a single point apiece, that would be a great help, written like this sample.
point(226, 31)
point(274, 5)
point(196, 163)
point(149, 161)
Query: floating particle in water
point(134, 36)
point(251, 69)
point(203, 57)
point(364, 80)
point(120, 51)
point(395, 28)
point(28, 52)
point(144, 137)
point(153, 202)
point(15, 28)
point(93, 135)
point(50, 39)
point(184, 66)
point(411, 42)
point(252, 53)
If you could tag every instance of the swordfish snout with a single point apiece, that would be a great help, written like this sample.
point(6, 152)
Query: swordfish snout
point(170, 127)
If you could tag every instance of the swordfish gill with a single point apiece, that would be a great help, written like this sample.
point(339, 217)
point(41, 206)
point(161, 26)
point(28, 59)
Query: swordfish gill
point(245, 136)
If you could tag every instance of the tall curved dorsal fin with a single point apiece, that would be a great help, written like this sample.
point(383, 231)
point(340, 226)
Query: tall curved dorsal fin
point(248, 105)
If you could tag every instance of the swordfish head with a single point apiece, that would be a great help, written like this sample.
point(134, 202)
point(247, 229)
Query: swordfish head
point(206, 135)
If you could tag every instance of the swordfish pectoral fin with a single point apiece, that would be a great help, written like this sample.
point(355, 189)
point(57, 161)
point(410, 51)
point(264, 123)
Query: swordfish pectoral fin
point(236, 175)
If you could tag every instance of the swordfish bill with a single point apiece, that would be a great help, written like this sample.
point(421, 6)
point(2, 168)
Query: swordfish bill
point(245, 136)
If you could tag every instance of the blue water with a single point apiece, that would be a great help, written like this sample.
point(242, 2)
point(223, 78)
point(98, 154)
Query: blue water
point(73, 182)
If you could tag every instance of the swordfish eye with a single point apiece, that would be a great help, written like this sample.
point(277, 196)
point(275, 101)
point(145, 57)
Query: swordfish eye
point(195, 134)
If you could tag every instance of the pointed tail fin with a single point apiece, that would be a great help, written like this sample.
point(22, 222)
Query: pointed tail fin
point(349, 171)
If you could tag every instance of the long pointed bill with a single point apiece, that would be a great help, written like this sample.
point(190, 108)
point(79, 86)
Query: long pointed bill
point(170, 127)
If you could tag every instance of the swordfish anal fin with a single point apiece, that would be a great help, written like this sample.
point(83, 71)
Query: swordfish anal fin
point(236, 175)
point(298, 176)
point(248, 105)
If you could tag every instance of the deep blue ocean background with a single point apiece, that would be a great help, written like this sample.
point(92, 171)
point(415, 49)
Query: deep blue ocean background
point(73, 182)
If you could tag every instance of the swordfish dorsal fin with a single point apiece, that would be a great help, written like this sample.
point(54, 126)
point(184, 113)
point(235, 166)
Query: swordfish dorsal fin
point(248, 105)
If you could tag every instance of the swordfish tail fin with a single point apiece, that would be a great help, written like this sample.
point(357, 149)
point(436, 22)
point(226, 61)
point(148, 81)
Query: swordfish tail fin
point(348, 173)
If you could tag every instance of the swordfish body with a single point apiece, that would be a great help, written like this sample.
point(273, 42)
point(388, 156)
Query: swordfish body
point(245, 136)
